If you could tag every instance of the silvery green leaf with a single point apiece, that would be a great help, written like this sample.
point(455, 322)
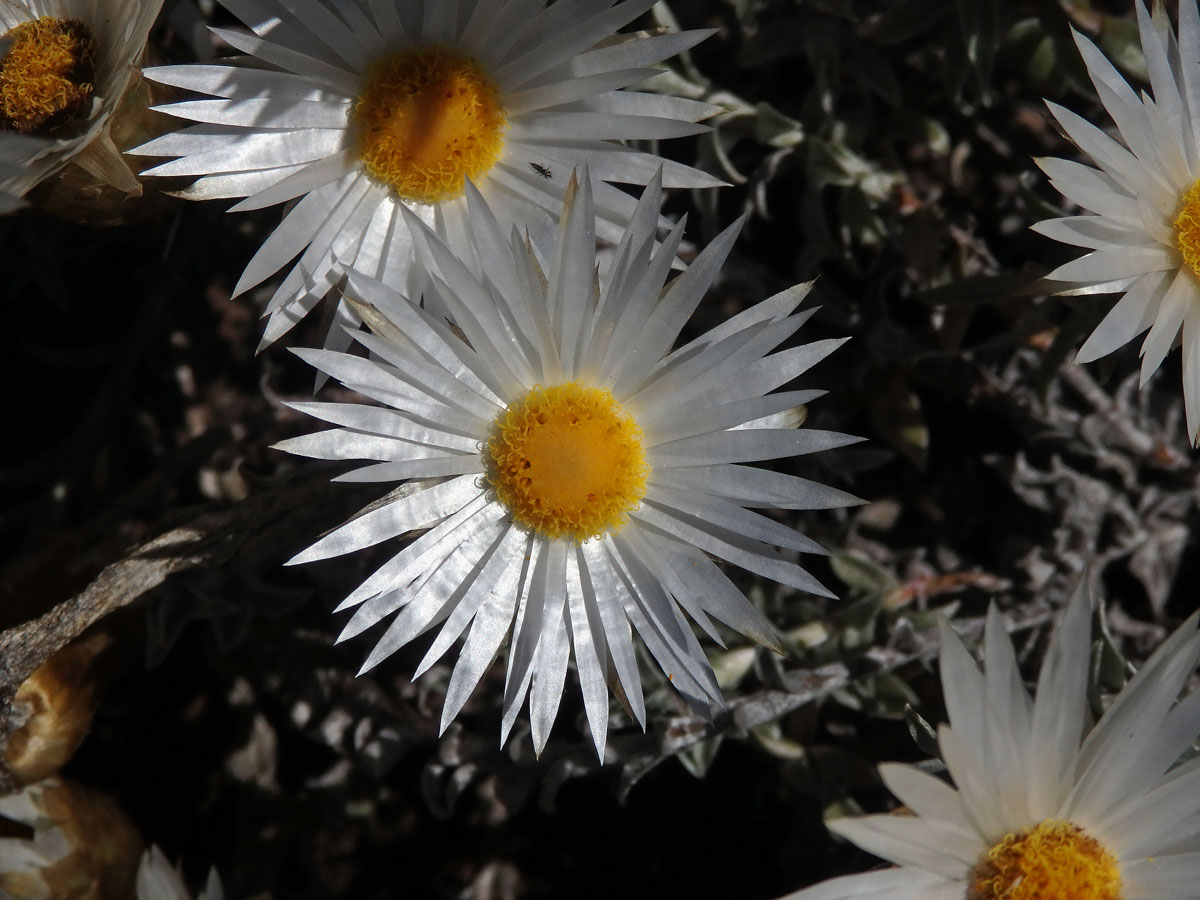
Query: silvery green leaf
point(732, 666)
point(977, 21)
point(699, 757)
point(861, 575)
point(771, 738)
point(775, 129)
point(1120, 42)
point(923, 734)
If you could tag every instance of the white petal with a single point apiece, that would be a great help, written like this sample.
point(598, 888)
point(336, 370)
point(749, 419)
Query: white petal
point(976, 788)
point(527, 625)
point(264, 112)
point(1060, 708)
point(1093, 190)
point(431, 467)
point(336, 77)
point(722, 514)
point(602, 585)
point(578, 88)
point(241, 82)
point(386, 422)
point(1111, 759)
point(306, 178)
point(746, 446)
point(914, 842)
point(497, 587)
point(926, 795)
point(571, 291)
point(962, 687)
point(300, 226)
point(270, 149)
point(414, 511)
point(589, 647)
point(1118, 262)
point(434, 596)
point(1129, 317)
point(1093, 232)
point(419, 557)
point(1178, 299)
point(751, 555)
point(702, 582)
point(676, 306)
point(553, 650)
point(1191, 371)
point(1161, 877)
point(900, 883)
point(752, 486)
point(1133, 174)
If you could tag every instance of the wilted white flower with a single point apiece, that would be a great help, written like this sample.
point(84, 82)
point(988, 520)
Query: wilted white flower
point(79, 839)
point(356, 111)
point(1042, 805)
point(570, 473)
point(67, 67)
point(1145, 196)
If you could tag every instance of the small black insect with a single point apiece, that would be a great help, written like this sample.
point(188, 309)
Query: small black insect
point(541, 170)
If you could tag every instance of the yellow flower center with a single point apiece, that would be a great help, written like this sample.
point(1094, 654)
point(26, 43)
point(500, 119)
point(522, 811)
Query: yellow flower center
point(568, 461)
point(426, 119)
point(1187, 228)
point(46, 77)
point(1054, 861)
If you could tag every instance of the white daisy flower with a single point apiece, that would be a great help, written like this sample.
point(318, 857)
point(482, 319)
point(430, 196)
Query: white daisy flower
point(571, 477)
point(1044, 806)
point(1145, 196)
point(356, 110)
point(66, 69)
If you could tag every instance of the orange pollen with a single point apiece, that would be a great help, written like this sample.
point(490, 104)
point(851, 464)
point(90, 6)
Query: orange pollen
point(1187, 228)
point(426, 119)
point(46, 77)
point(1054, 861)
point(567, 461)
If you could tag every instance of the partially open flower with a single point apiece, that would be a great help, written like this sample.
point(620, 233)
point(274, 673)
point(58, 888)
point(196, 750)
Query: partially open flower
point(1044, 807)
point(570, 472)
point(68, 66)
point(80, 846)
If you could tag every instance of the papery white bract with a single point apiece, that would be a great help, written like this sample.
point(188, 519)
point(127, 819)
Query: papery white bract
point(301, 124)
point(16, 152)
point(1144, 194)
point(572, 473)
point(157, 879)
point(1043, 805)
point(119, 29)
